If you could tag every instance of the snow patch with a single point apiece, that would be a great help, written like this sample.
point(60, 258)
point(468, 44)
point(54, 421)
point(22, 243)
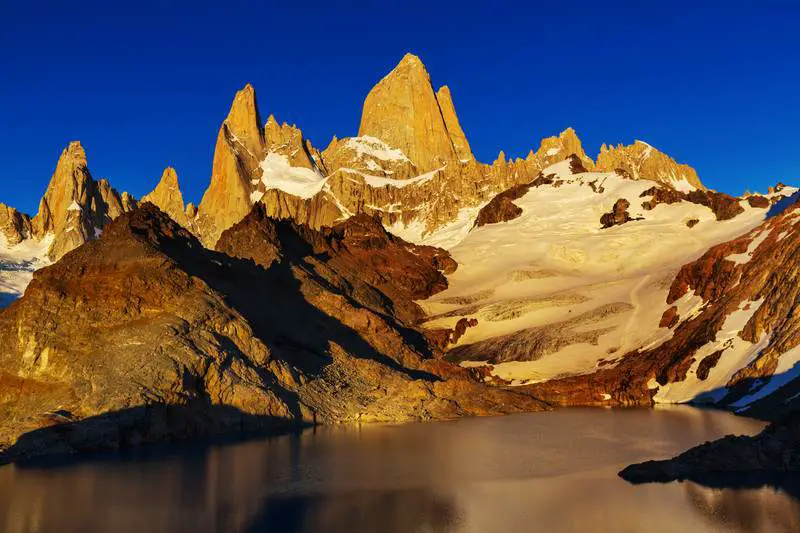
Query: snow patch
point(375, 181)
point(743, 258)
point(279, 174)
point(374, 147)
point(18, 263)
point(736, 354)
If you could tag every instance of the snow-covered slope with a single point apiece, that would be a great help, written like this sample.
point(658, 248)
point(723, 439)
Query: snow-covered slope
point(556, 294)
point(17, 264)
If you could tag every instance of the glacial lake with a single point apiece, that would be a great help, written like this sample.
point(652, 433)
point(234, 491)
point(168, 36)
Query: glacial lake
point(539, 472)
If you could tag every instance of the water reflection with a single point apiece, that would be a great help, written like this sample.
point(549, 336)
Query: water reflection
point(539, 472)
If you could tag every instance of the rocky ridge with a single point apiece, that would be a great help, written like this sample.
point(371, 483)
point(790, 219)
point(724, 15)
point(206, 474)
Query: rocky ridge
point(411, 165)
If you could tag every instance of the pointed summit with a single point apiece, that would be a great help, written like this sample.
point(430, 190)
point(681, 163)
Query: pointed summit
point(239, 150)
point(167, 197)
point(69, 189)
point(457, 136)
point(554, 149)
point(75, 152)
point(243, 120)
point(402, 110)
point(75, 207)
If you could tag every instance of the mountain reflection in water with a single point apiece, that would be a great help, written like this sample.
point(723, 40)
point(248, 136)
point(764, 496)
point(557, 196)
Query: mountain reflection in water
point(538, 472)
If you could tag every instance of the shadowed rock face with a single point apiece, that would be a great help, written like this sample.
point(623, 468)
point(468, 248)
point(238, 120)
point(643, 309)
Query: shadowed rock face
point(146, 335)
point(729, 460)
point(359, 257)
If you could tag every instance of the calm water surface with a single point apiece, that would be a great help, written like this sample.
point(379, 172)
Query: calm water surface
point(542, 472)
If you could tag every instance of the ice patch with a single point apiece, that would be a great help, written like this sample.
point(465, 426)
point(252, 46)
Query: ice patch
point(787, 370)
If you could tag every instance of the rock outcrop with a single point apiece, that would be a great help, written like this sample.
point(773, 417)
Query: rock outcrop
point(168, 198)
point(773, 452)
point(502, 208)
point(640, 160)
point(15, 226)
point(724, 206)
point(618, 214)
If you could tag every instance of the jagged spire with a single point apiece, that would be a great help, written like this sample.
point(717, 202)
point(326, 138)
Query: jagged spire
point(402, 110)
point(457, 136)
point(167, 196)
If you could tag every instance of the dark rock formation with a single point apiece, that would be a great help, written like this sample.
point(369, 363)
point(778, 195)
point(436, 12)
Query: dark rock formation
point(774, 450)
point(757, 200)
point(725, 207)
point(502, 208)
point(618, 214)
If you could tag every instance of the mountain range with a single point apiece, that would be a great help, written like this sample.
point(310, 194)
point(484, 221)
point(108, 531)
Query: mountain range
point(388, 277)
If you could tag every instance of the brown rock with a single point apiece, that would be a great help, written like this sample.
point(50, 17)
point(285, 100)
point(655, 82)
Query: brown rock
point(618, 214)
point(759, 201)
point(165, 339)
point(502, 208)
point(670, 318)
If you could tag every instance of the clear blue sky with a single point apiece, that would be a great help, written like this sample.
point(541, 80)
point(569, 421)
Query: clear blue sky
point(144, 86)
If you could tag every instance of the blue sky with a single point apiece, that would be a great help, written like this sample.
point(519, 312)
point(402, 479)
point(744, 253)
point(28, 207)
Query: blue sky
point(144, 85)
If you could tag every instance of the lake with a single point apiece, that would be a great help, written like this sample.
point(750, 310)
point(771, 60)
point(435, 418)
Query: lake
point(543, 472)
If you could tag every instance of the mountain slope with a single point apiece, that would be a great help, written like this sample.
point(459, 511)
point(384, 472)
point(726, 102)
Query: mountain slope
point(567, 294)
point(145, 335)
point(729, 332)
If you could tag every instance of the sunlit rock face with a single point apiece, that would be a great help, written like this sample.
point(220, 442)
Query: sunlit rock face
point(167, 196)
